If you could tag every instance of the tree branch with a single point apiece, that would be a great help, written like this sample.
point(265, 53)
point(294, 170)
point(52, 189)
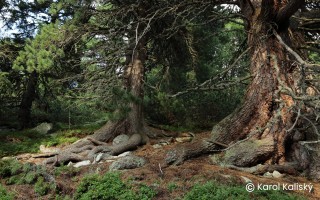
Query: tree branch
point(207, 85)
point(219, 86)
point(315, 67)
point(287, 11)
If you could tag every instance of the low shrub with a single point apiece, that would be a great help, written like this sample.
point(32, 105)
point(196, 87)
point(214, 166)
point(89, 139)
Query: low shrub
point(16, 179)
point(172, 186)
point(41, 187)
point(9, 168)
point(4, 194)
point(67, 171)
point(110, 187)
point(212, 190)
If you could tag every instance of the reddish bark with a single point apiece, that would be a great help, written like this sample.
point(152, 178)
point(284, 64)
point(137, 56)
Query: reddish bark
point(257, 131)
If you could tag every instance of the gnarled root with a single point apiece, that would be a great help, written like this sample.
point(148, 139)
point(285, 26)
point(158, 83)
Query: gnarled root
point(289, 168)
point(189, 150)
point(87, 149)
point(63, 158)
point(134, 141)
point(246, 153)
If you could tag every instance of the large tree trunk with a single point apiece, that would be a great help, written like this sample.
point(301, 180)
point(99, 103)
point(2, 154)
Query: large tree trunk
point(260, 131)
point(27, 100)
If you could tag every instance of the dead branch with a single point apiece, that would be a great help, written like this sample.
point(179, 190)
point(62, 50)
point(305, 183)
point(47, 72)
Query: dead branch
point(315, 67)
point(208, 86)
point(219, 86)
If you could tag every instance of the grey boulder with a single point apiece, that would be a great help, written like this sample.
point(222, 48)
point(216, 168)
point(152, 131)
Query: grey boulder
point(127, 162)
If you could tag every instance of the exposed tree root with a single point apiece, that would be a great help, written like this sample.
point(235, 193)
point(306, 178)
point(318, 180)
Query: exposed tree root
point(134, 141)
point(189, 150)
point(109, 131)
point(289, 168)
point(63, 159)
point(89, 147)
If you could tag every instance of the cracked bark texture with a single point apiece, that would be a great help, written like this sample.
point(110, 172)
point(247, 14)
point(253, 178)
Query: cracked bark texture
point(256, 133)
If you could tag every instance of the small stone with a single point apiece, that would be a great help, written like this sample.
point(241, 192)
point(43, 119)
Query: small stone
point(82, 163)
point(98, 157)
point(156, 146)
point(70, 164)
point(245, 179)
point(226, 176)
point(184, 139)
point(120, 139)
point(102, 157)
point(267, 174)
point(277, 174)
point(110, 158)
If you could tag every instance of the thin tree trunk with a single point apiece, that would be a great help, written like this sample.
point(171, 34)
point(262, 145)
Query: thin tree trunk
point(133, 82)
point(132, 124)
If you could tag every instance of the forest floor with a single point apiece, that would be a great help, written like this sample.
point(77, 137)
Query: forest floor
point(171, 182)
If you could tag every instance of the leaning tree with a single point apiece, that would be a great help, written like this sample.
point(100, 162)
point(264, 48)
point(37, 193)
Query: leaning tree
point(276, 124)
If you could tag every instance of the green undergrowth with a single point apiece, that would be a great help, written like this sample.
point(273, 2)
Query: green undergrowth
point(4, 194)
point(29, 141)
point(15, 142)
point(67, 171)
point(213, 190)
point(111, 187)
point(15, 173)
